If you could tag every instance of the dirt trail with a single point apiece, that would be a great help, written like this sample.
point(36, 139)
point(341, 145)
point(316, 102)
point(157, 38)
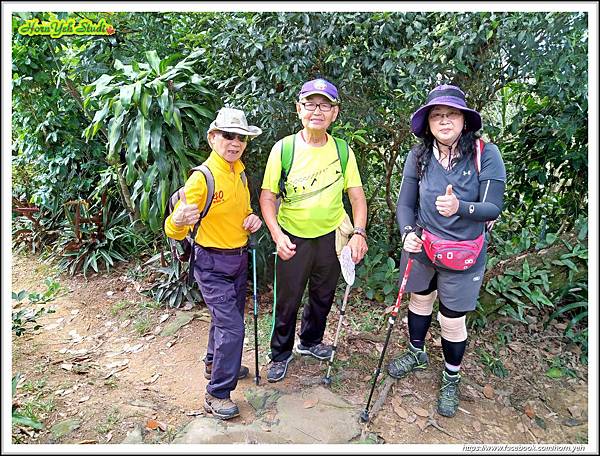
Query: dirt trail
point(99, 368)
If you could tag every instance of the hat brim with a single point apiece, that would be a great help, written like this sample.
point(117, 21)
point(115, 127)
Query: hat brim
point(418, 121)
point(317, 92)
point(250, 131)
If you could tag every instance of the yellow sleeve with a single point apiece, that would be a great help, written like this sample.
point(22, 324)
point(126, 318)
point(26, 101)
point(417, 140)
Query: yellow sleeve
point(351, 176)
point(195, 193)
point(273, 169)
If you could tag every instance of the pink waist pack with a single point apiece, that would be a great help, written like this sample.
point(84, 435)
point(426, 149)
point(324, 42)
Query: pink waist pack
point(455, 255)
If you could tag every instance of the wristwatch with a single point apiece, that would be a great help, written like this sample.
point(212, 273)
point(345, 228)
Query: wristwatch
point(361, 232)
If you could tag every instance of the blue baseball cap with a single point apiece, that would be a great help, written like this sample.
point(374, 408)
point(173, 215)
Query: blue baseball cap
point(320, 87)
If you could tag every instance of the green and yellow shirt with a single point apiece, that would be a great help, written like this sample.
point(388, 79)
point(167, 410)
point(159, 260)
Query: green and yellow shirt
point(313, 205)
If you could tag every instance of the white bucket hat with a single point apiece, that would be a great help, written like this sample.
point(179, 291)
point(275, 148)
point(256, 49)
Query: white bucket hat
point(234, 121)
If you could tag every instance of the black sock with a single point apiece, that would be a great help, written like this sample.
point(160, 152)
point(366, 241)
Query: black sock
point(418, 325)
point(453, 354)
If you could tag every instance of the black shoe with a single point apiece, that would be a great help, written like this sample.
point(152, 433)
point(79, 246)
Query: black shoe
point(319, 351)
point(223, 409)
point(409, 361)
point(242, 373)
point(449, 395)
point(278, 369)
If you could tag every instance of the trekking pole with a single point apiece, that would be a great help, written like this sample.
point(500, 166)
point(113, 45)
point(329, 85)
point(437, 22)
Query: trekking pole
point(364, 416)
point(347, 266)
point(252, 245)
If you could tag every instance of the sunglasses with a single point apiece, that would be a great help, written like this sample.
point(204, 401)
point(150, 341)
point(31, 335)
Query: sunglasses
point(231, 136)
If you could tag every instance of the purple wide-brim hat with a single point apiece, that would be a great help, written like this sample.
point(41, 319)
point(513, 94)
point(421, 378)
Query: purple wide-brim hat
point(447, 95)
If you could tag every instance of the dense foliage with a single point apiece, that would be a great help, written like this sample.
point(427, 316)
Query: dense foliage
point(107, 127)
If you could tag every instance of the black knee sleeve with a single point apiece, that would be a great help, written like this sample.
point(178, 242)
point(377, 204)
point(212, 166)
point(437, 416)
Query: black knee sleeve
point(418, 325)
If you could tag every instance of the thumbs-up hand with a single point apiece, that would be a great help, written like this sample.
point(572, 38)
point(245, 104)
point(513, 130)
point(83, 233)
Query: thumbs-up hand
point(447, 204)
point(185, 214)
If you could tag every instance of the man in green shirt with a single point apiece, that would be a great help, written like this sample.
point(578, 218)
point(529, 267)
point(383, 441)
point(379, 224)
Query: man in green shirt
point(304, 227)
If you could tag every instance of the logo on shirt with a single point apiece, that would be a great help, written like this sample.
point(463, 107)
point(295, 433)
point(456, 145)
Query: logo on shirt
point(467, 173)
point(218, 197)
point(476, 278)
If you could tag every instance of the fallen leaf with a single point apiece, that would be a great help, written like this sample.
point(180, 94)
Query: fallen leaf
point(488, 391)
point(195, 412)
point(476, 425)
point(310, 403)
point(108, 437)
point(388, 310)
point(125, 323)
point(163, 317)
point(411, 418)
point(422, 424)
point(420, 412)
point(84, 398)
point(397, 406)
point(85, 442)
point(528, 409)
point(152, 424)
point(67, 366)
point(152, 379)
point(162, 426)
point(540, 422)
point(572, 422)
point(575, 411)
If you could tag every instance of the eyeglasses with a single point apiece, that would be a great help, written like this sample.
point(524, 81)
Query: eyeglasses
point(451, 116)
point(311, 106)
point(231, 136)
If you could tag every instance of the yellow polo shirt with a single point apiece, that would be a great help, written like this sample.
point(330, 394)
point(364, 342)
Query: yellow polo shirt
point(313, 205)
point(222, 226)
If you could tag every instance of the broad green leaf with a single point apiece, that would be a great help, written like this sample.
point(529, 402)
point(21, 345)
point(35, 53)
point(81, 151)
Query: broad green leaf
point(101, 114)
point(154, 61)
point(149, 178)
point(114, 132)
point(154, 219)
point(132, 140)
point(156, 135)
point(163, 100)
point(145, 102)
point(177, 119)
point(201, 110)
point(144, 206)
point(21, 420)
point(137, 92)
point(143, 134)
point(554, 372)
point(126, 93)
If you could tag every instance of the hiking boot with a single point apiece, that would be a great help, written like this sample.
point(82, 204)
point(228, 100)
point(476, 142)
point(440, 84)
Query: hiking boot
point(319, 351)
point(278, 369)
point(223, 409)
point(413, 359)
point(242, 373)
point(449, 392)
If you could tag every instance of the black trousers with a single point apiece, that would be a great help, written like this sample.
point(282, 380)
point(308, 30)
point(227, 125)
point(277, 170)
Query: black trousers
point(315, 263)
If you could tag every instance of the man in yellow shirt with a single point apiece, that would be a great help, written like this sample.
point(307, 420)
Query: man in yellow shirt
point(304, 228)
point(221, 258)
